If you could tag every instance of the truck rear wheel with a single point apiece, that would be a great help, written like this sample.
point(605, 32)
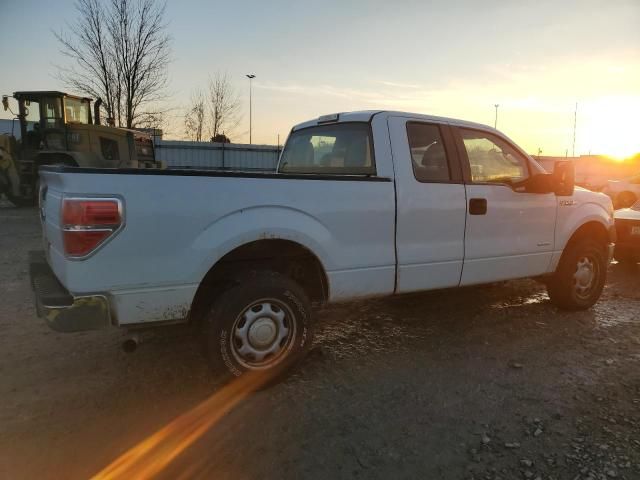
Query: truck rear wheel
point(580, 277)
point(262, 325)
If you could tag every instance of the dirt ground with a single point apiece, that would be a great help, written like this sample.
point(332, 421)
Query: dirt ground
point(481, 383)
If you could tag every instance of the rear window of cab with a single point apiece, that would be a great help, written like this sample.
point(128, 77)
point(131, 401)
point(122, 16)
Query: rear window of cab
point(340, 148)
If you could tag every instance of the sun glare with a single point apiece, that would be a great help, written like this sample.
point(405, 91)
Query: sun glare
point(609, 128)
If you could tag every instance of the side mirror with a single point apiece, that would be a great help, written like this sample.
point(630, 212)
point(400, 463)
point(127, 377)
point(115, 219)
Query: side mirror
point(564, 178)
point(540, 183)
point(5, 102)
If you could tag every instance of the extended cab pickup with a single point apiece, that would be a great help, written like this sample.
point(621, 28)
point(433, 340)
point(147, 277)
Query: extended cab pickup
point(363, 204)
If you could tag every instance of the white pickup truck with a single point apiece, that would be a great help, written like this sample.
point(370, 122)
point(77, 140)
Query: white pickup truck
point(363, 204)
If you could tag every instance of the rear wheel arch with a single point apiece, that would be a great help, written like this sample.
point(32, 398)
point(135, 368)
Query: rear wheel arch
point(285, 257)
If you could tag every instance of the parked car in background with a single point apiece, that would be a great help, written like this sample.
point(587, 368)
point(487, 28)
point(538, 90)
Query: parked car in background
point(628, 229)
point(623, 193)
point(363, 204)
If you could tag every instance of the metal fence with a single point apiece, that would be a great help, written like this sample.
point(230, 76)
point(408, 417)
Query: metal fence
point(217, 156)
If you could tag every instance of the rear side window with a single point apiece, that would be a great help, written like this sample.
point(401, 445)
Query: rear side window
point(428, 155)
point(341, 148)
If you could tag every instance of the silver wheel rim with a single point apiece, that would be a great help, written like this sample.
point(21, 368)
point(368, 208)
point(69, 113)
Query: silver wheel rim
point(585, 278)
point(262, 334)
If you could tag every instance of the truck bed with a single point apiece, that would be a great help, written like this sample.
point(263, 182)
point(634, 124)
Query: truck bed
point(179, 223)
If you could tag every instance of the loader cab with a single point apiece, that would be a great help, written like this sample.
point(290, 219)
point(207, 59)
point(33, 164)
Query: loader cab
point(46, 116)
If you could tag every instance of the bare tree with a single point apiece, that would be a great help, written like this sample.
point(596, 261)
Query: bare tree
point(224, 106)
point(140, 53)
point(195, 117)
point(86, 43)
point(120, 52)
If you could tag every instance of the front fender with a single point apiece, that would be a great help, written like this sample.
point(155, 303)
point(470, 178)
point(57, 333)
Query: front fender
point(259, 223)
point(570, 221)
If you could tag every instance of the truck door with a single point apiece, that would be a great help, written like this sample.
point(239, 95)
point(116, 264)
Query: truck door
point(431, 205)
point(509, 232)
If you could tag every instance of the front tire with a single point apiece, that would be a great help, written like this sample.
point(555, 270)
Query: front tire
point(580, 277)
point(262, 325)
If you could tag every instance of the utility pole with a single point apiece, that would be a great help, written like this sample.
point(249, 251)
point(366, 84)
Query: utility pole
point(495, 123)
point(250, 77)
point(575, 121)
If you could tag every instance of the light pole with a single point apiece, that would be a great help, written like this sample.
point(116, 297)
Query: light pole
point(575, 123)
point(495, 123)
point(250, 77)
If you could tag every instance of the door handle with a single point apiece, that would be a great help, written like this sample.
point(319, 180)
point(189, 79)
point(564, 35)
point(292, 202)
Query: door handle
point(478, 206)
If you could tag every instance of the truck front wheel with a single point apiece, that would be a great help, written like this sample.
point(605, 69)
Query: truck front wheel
point(580, 277)
point(262, 325)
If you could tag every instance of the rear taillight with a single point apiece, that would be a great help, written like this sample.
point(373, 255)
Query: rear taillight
point(88, 223)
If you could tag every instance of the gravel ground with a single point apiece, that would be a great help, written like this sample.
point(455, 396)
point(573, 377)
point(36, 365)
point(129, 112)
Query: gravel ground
point(480, 383)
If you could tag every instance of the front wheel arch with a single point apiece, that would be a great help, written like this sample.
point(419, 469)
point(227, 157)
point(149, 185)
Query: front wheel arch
point(594, 230)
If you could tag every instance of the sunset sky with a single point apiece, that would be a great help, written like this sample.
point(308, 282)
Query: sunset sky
point(450, 58)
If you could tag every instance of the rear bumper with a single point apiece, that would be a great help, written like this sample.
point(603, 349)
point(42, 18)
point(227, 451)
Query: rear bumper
point(62, 311)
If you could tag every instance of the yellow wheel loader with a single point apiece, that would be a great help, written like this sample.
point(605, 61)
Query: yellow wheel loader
point(54, 128)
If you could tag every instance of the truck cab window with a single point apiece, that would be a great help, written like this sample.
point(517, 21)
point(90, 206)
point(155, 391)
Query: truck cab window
point(342, 148)
point(428, 155)
point(492, 160)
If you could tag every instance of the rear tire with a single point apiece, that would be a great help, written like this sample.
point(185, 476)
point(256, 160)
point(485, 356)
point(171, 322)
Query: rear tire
point(262, 326)
point(580, 277)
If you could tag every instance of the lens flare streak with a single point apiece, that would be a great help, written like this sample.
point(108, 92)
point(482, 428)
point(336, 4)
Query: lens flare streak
point(153, 454)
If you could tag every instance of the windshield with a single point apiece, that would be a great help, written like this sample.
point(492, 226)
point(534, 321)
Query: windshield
point(343, 148)
point(76, 111)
